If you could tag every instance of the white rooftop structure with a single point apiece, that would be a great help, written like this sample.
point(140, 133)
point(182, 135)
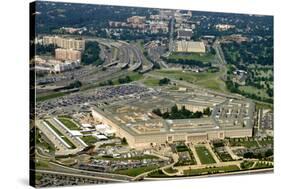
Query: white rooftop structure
point(86, 125)
point(102, 127)
point(100, 137)
point(190, 46)
point(105, 129)
point(75, 133)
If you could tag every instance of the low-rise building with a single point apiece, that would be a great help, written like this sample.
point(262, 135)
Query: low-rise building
point(184, 34)
point(190, 46)
point(105, 130)
point(66, 66)
point(136, 19)
point(224, 27)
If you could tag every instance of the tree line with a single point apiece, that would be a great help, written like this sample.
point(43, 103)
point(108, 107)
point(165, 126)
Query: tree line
point(182, 113)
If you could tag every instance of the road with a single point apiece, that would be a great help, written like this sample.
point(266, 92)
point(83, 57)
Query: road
point(220, 58)
point(207, 145)
point(197, 159)
point(175, 157)
point(257, 171)
point(171, 37)
point(78, 175)
point(190, 85)
point(62, 168)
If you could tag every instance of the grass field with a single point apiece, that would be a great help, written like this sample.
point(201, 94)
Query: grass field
point(158, 173)
point(133, 75)
point(262, 165)
point(115, 53)
point(49, 96)
point(224, 156)
point(266, 141)
point(136, 171)
point(61, 135)
point(262, 105)
point(89, 139)
point(40, 141)
point(150, 81)
point(243, 142)
point(171, 170)
point(192, 56)
point(69, 123)
point(181, 148)
point(41, 164)
point(204, 79)
point(246, 164)
point(211, 170)
point(129, 158)
point(204, 155)
point(254, 90)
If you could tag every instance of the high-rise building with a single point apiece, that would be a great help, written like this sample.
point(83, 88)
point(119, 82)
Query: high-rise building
point(67, 54)
point(66, 43)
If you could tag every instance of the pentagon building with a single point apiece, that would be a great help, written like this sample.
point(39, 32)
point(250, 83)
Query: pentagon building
point(134, 120)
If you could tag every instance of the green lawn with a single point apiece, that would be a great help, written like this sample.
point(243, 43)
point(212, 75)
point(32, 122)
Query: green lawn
point(157, 174)
point(89, 139)
point(49, 96)
point(134, 76)
point(136, 171)
point(243, 142)
point(114, 52)
point(69, 123)
point(263, 105)
point(41, 164)
point(181, 148)
point(262, 165)
point(129, 158)
point(171, 170)
point(224, 156)
point(204, 155)
point(151, 82)
point(254, 90)
point(211, 170)
point(246, 164)
point(207, 57)
point(40, 141)
point(203, 79)
point(61, 135)
point(266, 141)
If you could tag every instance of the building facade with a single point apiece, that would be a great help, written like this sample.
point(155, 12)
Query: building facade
point(144, 140)
point(66, 43)
point(67, 54)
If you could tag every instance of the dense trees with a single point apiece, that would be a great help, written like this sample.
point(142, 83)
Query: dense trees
point(182, 113)
point(258, 155)
point(207, 111)
point(126, 79)
point(108, 82)
point(121, 80)
point(124, 141)
point(187, 62)
point(254, 52)
point(91, 53)
point(256, 25)
point(132, 34)
point(73, 85)
point(41, 49)
point(54, 15)
point(234, 88)
point(164, 81)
